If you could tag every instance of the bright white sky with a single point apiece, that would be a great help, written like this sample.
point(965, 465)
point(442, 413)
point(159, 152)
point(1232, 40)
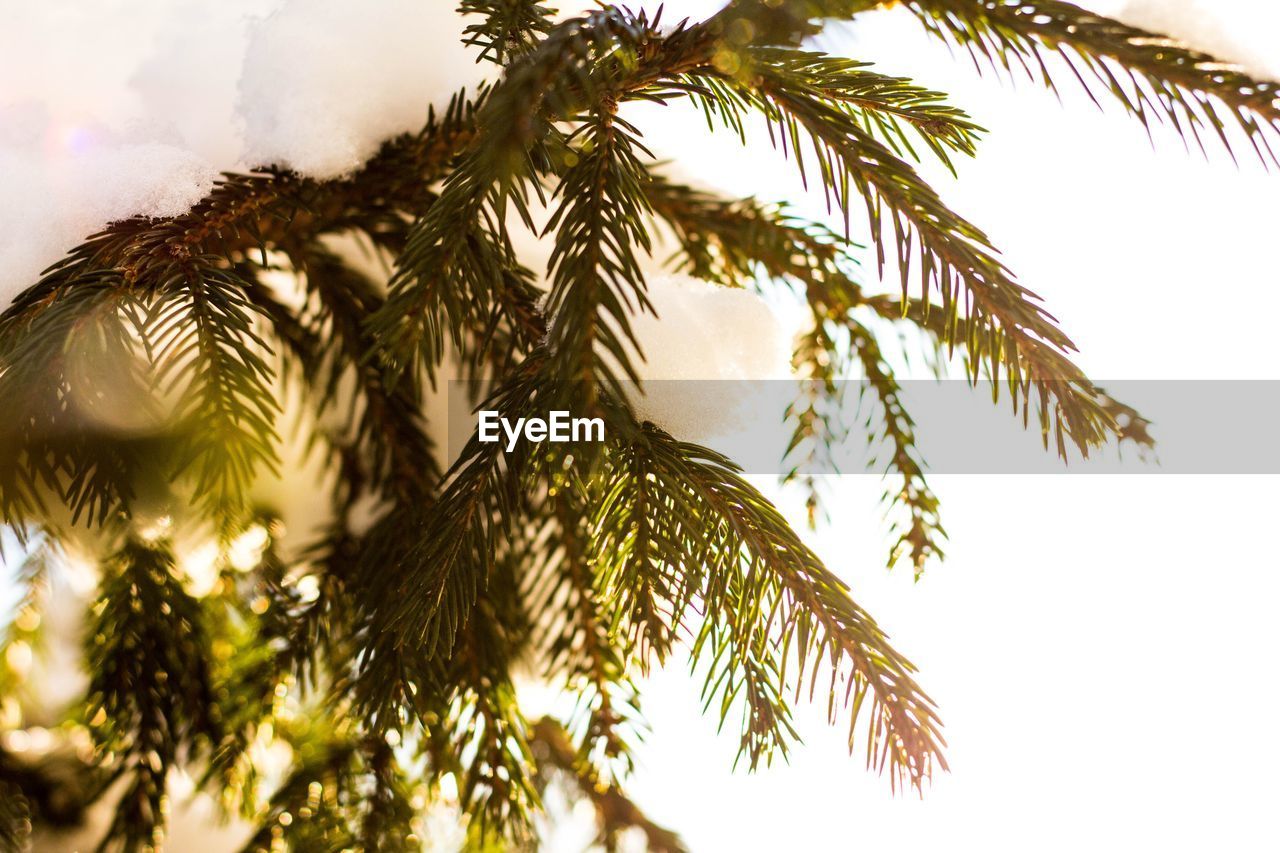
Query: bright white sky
point(1101, 648)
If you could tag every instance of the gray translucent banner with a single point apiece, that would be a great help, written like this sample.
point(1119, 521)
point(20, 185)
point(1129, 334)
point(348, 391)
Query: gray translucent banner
point(1200, 426)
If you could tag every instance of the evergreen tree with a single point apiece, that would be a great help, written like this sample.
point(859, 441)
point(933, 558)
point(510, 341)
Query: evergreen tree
point(384, 654)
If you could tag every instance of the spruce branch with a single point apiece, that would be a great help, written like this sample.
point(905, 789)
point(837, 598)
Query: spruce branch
point(573, 634)
point(151, 699)
point(920, 539)
point(597, 285)
point(773, 604)
point(839, 337)
point(208, 353)
point(472, 727)
point(387, 421)
point(817, 413)
point(556, 82)
point(1153, 77)
point(644, 582)
point(890, 109)
point(1009, 330)
point(509, 29)
point(890, 106)
point(586, 63)
point(747, 244)
point(449, 567)
point(445, 553)
point(52, 361)
point(452, 263)
point(455, 255)
point(481, 724)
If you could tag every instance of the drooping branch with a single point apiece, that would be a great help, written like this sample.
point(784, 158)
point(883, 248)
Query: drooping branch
point(774, 605)
point(1153, 77)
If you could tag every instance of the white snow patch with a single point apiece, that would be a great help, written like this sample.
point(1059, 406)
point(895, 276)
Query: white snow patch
point(326, 81)
point(61, 183)
point(1244, 32)
point(701, 330)
point(702, 350)
point(133, 107)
